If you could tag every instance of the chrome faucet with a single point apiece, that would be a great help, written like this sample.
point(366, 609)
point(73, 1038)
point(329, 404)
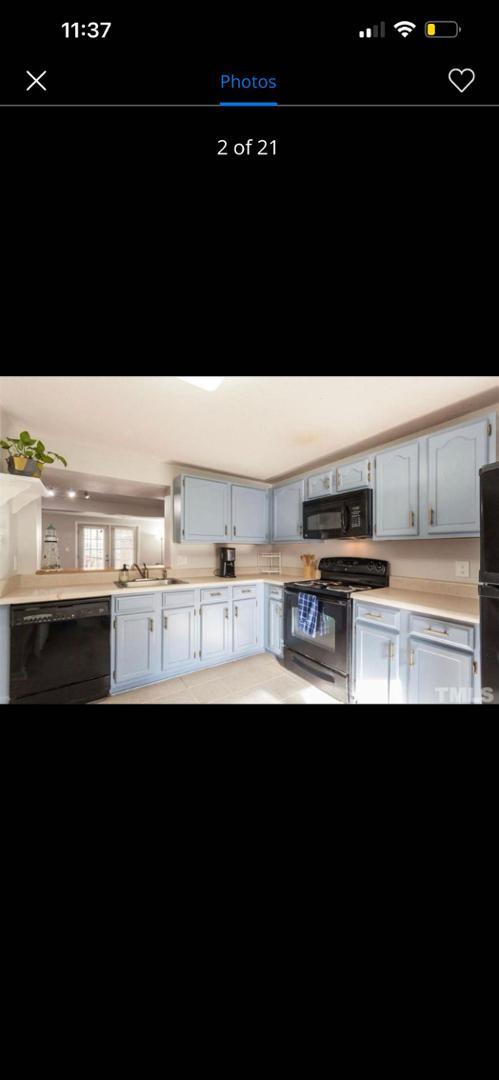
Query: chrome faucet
point(143, 573)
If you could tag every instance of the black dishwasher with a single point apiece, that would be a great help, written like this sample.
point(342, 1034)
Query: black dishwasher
point(60, 653)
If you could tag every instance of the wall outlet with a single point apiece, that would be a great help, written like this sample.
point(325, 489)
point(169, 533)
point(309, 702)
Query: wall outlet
point(462, 569)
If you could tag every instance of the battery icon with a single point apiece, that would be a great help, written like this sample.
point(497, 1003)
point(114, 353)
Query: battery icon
point(442, 29)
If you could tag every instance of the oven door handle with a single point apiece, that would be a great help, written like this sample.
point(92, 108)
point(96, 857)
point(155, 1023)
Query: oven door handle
point(345, 514)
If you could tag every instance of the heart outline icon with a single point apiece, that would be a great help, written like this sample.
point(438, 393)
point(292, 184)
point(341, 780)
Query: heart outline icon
point(462, 71)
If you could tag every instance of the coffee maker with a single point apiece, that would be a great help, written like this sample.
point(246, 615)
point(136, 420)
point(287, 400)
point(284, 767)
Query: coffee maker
point(227, 562)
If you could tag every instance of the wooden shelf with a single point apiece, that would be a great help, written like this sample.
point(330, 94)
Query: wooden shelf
point(19, 491)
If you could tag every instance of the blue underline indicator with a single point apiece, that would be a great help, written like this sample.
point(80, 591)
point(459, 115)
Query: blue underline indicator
point(248, 104)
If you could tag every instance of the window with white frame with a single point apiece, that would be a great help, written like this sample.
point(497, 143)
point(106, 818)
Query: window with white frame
point(103, 547)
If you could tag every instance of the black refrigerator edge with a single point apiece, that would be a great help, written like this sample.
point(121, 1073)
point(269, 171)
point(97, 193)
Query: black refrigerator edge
point(489, 582)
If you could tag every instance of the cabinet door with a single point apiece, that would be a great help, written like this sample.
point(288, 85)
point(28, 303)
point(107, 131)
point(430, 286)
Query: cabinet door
point(377, 666)
point(275, 627)
point(206, 510)
point(136, 646)
point(455, 458)
point(245, 625)
point(179, 638)
point(288, 511)
point(439, 674)
point(249, 515)
point(215, 631)
point(397, 491)
point(321, 484)
point(356, 474)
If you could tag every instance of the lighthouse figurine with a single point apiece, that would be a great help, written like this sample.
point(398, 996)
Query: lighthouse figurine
point(51, 559)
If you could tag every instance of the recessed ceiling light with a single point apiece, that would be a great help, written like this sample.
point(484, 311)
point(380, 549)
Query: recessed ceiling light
point(71, 494)
point(205, 382)
point(86, 495)
point(50, 493)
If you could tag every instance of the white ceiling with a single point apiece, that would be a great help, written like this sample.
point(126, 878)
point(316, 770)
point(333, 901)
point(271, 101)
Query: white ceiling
point(255, 426)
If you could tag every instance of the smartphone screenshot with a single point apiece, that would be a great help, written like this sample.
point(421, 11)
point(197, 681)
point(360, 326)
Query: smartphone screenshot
point(257, 83)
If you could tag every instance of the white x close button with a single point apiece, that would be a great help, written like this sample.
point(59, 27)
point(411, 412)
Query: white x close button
point(36, 81)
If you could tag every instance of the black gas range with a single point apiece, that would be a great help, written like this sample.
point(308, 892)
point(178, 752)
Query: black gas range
point(318, 621)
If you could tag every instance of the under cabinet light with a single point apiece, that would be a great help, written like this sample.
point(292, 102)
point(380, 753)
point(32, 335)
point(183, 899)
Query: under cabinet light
point(205, 382)
point(71, 494)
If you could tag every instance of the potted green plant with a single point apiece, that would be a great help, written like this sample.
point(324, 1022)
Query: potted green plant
point(27, 456)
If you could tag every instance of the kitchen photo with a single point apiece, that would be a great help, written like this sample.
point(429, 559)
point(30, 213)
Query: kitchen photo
point(249, 540)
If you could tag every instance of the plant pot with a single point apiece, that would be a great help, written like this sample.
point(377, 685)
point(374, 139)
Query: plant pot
point(23, 466)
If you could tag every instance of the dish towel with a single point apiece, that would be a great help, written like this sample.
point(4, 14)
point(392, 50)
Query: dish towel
point(310, 617)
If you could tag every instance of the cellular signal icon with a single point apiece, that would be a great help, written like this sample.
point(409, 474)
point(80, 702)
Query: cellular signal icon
point(374, 31)
point(405, 27)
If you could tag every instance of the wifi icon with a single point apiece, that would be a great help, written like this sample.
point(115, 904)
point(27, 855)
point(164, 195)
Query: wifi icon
point(405, 27)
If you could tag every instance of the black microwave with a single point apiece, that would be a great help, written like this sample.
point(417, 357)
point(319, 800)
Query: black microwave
point(339, 516)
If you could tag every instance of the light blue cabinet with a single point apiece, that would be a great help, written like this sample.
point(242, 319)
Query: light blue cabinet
point(287, 511)
point(377, 665)
point(250, 514)
point(355, 474)
point(397, 491)
point(137, 652)
point(454, 459)
point(245, 626)
point(179, 639)
point(215, 632)
point(202, 510)
point(320, 484)
point(275, 626)
point(439, 674)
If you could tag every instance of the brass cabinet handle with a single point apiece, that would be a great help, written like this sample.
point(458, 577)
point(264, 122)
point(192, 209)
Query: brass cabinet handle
point(226, 530)
point(151, 625)
point(411, 657)
point(391, 651)
point(430, 515)
point(412, 519)
point(236, 612)
point(235, 531)
point(432, 630)
point(371, 615)
point(246, 590)
point(226, 613)
point(215, 594)
point(166, 622)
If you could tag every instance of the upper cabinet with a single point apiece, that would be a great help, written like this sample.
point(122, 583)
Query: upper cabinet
point(287, 511)
point(321, 484)
point(203, 512)
point(250, 514)
point(454, 459)
point(397, 491)
point(355, 474)
point(215, 511)
point(431, 487)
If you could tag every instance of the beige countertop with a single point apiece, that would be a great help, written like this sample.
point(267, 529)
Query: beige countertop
point(86, 592)
point(464, 609)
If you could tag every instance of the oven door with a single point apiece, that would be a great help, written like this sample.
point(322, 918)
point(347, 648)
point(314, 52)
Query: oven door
point(329, 644)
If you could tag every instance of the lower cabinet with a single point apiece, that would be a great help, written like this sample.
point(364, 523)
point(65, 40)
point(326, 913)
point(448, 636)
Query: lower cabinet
point(179, 639)
point(439, 674)
point(275, 626)
point(413, 666)
point(245, 625)
point(215, 636)
point(136, 647)
point(377, 665)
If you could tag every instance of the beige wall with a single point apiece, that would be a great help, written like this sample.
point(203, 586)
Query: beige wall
point(433, 559)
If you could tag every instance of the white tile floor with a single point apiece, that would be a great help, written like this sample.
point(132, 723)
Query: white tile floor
point(259, 680)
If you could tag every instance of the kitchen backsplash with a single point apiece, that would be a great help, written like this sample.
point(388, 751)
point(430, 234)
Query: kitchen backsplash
point(432, 559)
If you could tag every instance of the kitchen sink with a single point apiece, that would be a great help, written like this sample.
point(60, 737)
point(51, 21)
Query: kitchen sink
point(148, 583)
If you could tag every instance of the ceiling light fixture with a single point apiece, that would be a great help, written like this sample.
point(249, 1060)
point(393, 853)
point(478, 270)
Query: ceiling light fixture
point(50, 493)
point(205, 382)
point(71, 494)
